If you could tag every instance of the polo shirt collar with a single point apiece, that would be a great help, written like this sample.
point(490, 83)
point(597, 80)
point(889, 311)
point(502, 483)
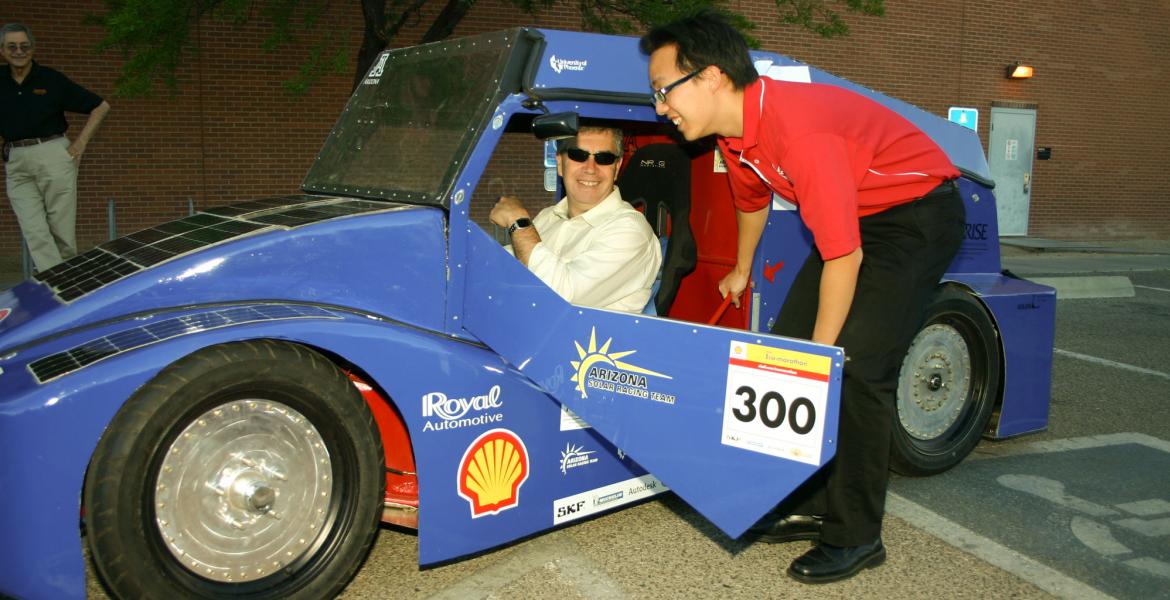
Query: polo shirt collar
point(33, 66)
point(596, 215)
point(753, 109)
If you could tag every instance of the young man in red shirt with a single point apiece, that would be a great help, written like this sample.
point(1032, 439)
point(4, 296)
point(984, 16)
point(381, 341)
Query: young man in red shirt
point(879, 198)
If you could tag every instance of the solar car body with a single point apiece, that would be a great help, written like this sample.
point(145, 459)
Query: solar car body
point(231, 402)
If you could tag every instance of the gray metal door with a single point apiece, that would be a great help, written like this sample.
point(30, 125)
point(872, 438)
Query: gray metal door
point(1010, 152)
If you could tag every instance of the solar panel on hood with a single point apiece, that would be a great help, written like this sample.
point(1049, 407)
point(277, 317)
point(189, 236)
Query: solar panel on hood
point(142, 249)
point(87, 353)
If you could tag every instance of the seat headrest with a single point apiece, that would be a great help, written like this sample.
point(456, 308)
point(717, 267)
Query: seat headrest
point(657, 174)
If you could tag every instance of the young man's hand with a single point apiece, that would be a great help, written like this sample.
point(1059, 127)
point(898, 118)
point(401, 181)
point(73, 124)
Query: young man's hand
point(733, 283)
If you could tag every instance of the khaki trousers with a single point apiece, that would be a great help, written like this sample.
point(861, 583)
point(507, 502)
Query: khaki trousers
point(42, 187)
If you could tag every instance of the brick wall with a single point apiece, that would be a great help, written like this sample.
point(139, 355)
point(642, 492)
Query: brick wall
point(230, 131)
point(1100, 86)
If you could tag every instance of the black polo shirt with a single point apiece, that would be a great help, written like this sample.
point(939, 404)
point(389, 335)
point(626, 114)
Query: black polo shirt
point(36, 107)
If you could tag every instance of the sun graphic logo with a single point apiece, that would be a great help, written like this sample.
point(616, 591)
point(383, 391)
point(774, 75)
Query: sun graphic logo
point(493, 468)
point(574, 456)
point(593, 363)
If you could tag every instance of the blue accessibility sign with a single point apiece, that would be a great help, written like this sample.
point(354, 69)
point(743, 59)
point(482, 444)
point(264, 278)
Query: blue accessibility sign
point(967, 117)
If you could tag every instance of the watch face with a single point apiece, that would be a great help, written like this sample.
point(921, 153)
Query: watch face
point(520, 223)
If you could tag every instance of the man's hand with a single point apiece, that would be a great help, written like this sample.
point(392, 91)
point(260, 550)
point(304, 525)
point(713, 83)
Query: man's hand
point(507, 210)
point(76, 149)
point(733, 283)
point(750, 227)
point(504, 214)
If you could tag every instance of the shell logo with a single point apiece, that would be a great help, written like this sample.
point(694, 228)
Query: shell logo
point(493, 468)
point(4, 312)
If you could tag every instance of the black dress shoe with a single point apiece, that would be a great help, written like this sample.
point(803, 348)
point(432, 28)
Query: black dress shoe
point(789, 529)
point(826, 562)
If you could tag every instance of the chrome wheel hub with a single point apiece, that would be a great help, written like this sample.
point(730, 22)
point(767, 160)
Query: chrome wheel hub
point(934, 382)
point(243, 491)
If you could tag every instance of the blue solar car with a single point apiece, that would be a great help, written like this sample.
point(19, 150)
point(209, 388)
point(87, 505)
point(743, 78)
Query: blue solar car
point(228, 405)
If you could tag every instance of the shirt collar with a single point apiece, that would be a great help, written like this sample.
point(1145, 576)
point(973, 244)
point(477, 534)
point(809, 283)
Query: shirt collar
point(753, 109)
point(32, 69)
point(596, 215)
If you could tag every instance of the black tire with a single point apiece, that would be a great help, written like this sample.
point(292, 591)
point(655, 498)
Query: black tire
point(283, 501)
point(947, 386)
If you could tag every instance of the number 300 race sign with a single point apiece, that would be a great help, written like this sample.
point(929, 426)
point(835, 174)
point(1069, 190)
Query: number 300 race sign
point(775, 401)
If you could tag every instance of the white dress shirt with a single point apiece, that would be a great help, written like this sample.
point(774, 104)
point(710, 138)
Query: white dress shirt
point(606, 257)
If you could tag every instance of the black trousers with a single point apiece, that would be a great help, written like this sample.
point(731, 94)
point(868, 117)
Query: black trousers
point(905, 251)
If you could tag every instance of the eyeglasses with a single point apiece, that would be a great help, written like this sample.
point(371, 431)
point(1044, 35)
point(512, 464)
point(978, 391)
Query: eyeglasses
point(660, 95)
point(603, 158)
point(21, 47)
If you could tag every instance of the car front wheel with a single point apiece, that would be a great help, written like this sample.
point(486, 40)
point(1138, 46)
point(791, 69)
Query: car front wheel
point(246, 470)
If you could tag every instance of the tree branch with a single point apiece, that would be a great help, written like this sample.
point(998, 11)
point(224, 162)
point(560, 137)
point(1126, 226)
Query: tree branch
point(444, 24)
point(413, 9)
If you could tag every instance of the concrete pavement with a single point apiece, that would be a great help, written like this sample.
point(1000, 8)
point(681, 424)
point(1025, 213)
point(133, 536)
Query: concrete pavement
point(1036, 257)
point(1076, 268)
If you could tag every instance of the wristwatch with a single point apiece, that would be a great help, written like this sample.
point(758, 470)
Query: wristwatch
point(521, 223)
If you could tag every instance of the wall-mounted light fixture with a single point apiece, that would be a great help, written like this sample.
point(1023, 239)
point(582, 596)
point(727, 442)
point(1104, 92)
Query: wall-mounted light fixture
point(1018, 71)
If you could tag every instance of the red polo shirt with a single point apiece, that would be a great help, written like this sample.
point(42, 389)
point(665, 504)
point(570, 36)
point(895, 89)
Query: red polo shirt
point(836, 154)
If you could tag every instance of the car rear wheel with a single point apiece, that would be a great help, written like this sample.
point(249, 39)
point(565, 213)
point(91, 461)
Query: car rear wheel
point(947, 386)
point(246, 470)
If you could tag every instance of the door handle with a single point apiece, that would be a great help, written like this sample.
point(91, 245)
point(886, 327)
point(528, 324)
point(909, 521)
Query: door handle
point(1027, 177)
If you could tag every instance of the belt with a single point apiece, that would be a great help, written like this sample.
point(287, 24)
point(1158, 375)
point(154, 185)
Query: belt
point(945, 188)
point(34, 141)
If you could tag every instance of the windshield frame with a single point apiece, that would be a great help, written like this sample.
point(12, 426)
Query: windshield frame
point(515, 45)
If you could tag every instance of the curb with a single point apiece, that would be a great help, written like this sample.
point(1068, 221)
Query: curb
point(1080, 287)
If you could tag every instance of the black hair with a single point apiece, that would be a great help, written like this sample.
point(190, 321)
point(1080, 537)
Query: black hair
point(706, 38)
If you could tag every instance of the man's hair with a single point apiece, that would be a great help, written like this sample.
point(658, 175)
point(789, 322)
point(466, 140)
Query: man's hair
point(17, 28)
point(618, 138)
point(705, 39)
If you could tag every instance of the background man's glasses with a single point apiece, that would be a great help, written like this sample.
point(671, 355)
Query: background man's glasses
point(660, 95)
point(603, 158)
point(21, 47)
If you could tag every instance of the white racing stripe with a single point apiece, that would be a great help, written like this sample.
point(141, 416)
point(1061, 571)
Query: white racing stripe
point(1156, 289)
point(1039, 575)
point(1110, 363)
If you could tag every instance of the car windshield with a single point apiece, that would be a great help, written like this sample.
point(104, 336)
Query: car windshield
point(412, 121)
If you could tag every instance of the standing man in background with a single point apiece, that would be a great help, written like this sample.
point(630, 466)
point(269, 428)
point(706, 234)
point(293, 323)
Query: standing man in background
point(878, 196)
point(40, 162)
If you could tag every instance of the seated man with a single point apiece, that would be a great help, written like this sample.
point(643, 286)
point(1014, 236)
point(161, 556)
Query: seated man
point(592, 247)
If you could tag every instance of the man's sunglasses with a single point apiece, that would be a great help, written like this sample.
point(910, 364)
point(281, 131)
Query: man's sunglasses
point(603, 158)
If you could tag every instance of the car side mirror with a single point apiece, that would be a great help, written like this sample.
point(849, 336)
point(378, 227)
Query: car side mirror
point(556, 126)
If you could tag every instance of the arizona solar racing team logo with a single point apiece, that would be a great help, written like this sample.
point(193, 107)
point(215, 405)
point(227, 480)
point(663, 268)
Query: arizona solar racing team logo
point(601, 369)
point(493, 468)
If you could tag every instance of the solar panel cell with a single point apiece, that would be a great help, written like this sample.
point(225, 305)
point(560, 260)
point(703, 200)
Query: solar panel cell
point(121, 257)
point(91, 351)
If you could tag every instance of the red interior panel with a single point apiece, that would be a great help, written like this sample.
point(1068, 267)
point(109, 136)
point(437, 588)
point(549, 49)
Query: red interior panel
point(713, 223)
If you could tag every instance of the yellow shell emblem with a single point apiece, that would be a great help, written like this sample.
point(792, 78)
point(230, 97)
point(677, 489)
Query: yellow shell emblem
point(493, 468)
